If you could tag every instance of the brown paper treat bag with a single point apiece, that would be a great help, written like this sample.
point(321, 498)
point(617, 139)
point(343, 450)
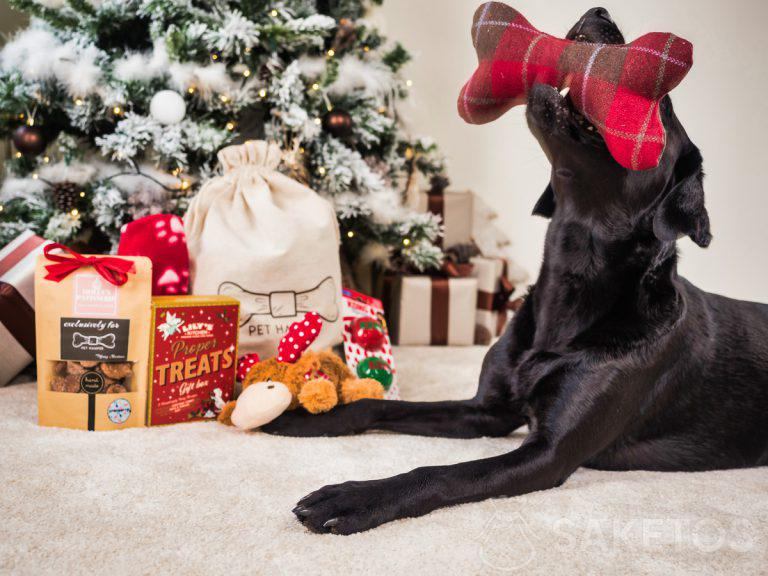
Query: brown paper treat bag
point(92, 325)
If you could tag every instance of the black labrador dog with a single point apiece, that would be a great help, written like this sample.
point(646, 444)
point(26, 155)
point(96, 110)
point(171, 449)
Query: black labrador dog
point(614, 362)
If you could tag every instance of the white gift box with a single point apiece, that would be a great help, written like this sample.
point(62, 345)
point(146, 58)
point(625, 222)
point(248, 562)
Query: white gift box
point(17, 298)
point(492, 312)
point(437, 311)
point(457, 211)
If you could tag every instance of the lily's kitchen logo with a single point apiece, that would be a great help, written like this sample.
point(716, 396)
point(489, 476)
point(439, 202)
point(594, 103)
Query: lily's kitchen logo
point(197, 329)
point(175, 325)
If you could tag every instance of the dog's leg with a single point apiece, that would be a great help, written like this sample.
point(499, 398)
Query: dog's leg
point(357, 506)
point(493, 412)
point(449, 419)
point(578, 417)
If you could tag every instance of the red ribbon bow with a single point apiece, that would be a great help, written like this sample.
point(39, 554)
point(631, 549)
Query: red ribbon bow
point(113, 270)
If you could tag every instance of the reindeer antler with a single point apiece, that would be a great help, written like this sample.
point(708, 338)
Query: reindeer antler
point(299, 337)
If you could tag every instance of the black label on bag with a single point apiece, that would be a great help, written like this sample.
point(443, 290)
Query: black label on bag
point(105, 340)
point(91, 382)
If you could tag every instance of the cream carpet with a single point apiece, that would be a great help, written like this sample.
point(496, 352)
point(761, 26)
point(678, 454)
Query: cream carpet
point(205, 499)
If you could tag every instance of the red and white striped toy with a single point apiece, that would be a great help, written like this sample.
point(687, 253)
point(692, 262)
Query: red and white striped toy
point(357, 305)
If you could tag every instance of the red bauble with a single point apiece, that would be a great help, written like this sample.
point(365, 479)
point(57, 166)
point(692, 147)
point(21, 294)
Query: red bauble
point(29, 140)
point(338, 123)
point(368, 333)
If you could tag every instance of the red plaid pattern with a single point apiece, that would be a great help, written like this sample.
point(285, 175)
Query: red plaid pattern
point(616, 87)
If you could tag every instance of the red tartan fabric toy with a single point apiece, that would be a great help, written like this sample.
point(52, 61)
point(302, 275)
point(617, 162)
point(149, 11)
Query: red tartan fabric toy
point(616, 87)
point(161, 238)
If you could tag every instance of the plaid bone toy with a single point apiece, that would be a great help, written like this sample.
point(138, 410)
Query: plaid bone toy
point(616, 87)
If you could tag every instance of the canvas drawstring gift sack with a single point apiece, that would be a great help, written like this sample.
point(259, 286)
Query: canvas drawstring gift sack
point(269, 241)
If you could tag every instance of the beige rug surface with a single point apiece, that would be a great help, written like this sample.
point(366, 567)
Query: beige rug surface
point(206, 499)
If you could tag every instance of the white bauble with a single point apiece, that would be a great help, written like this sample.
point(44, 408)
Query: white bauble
point(168, 107)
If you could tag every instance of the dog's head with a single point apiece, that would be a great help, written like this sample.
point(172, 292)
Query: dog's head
point(587, 183)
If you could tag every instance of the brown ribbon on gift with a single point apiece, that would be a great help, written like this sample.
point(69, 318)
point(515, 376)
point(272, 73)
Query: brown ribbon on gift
point(18, 317)
point(440, 304)
point(485, 300)
point(498, 301)
point(456, 270)
point(440, 311)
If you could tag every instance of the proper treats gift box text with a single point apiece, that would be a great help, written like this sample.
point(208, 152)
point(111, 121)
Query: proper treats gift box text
point(193, 357)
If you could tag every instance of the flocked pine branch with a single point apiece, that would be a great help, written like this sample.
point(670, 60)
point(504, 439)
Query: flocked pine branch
point(83, 75)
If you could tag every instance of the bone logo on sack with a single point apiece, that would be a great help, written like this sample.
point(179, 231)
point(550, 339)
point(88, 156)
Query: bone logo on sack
point(285, 304)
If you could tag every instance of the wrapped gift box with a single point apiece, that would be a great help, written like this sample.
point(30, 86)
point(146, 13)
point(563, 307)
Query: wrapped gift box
point(426, 310)
point(17, 297)
point(192, 359)
point(493, 291)
point(457, 211)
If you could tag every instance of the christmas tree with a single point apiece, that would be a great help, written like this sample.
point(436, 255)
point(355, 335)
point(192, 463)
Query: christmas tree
point(116, 109)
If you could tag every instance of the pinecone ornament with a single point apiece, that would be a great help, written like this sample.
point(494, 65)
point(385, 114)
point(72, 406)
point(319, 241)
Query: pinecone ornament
point(346, 35)
point(65, 196)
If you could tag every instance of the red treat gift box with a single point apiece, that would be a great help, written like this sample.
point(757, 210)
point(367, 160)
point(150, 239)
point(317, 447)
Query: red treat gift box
point(193, 357)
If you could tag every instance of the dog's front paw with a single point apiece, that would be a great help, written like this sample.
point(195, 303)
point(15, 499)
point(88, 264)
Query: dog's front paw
point(349, 507)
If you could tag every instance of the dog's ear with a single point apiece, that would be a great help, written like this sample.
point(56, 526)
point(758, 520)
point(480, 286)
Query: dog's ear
point(545, 205)
point(682, 210)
